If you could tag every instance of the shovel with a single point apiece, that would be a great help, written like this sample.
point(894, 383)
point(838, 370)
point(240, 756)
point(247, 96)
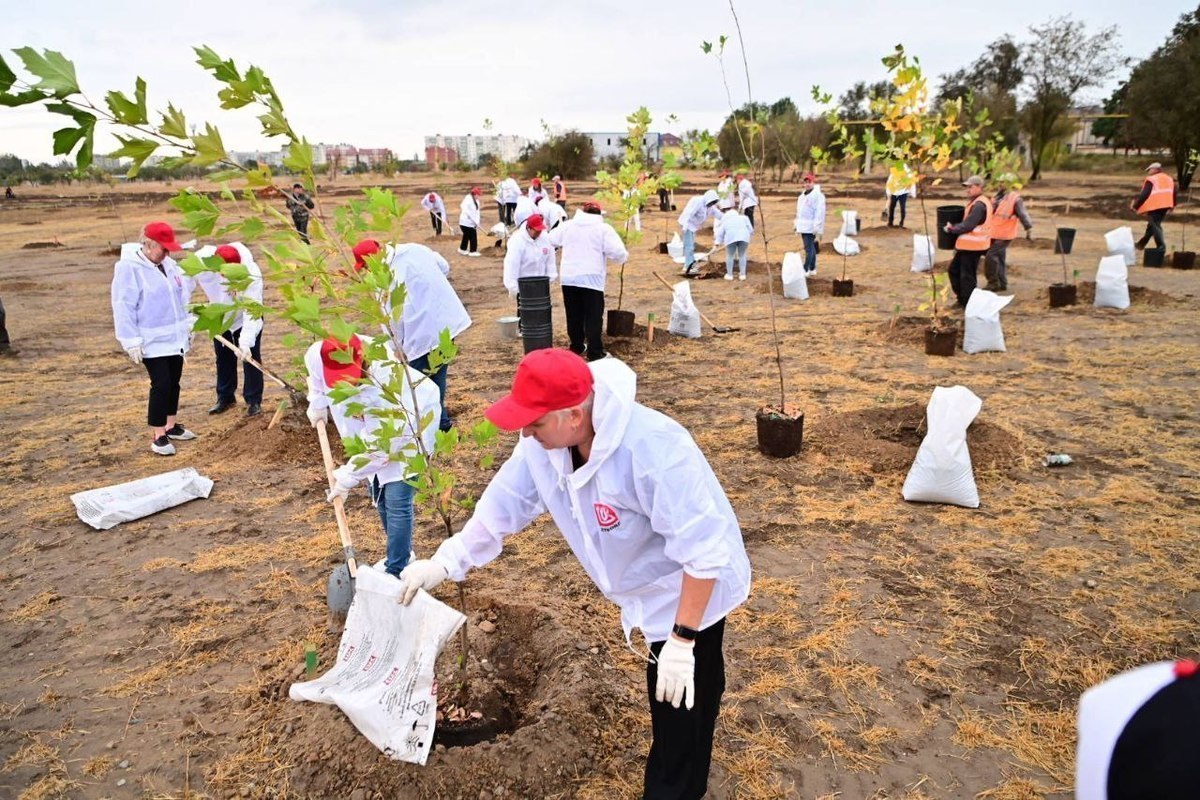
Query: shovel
point(716, 328)
point(340, 592)
point(295, 395)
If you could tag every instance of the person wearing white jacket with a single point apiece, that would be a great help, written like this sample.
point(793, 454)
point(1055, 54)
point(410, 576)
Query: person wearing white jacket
point(552, 212)
point(726, 192)
point(747, 199)
point(384, 464)
point(734, 231)
point(695, 214)
point(469, 219)
point(643, 512)
point(810, 220)
point(149, 303)
point(244, 332)
point(507, 193)
point(436, 207)
point(431, 306)
point(588, 243)
point(530, 255)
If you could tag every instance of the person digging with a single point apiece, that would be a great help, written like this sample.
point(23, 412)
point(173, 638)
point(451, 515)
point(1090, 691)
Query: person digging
point(643, 512)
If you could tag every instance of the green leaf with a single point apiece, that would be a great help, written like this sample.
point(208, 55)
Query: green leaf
point(173, 123)
point(126, 111)
point(54, 72)
point(23, 98)
point(223, 70)
point(303, 309)
point(7, 76)
point(137, 149)
point(199, 213)
point(214, 318)
point(252, 228)
point(299, 157)
point(342, 331)
point(209, 148)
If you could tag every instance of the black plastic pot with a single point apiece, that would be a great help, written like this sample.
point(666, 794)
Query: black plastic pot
point(940, 342)
point(1154, 256)
point(1062, 294)
point(948, 215)
point(533, 306)
point(1183, 259)
point(779, 435)
point(620, 323)
point(843, 288)
point(1064, 239)
point(662, 248)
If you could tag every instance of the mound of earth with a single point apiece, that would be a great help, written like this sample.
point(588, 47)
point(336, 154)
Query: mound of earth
point(291, 441)
point(41, 245)
point(816, 286)
point(627, 347)
point(1085, 294)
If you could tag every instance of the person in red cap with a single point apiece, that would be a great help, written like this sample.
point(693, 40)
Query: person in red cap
point(436, 207)
point(643, 512)
point(530, 255)
point(149, 302)
point(369, 417)
point(536, 192)
point(588, 243)
point(726, 192)
point(469, 219)
point(244, 332)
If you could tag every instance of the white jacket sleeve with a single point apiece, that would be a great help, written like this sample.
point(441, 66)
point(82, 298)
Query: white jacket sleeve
point(442, 263)
point(252, 326)
point(512, 264)
point(820, 227)
point(125, 296)
point(614, 248)
point(507, 505)
point(316, 383)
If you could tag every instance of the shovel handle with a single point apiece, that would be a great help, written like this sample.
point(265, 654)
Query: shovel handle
point(339, 510)
point(702, 316)
point(250, 360)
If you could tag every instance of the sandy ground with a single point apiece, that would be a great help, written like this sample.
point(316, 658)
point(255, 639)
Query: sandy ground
point(889, 650)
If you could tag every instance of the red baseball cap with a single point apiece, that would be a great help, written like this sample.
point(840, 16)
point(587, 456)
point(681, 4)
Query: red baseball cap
point(476, 190)
point(229, 254)
point(808, 176)
point(162, 233)
point(432, 197)
point(546, 380)
point(591, 207)
point(335, 371)
point(366, 247)
point(537, 181)
point(535, 222)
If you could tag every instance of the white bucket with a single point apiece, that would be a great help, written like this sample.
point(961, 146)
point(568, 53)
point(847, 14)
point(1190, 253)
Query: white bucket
point(508, 327)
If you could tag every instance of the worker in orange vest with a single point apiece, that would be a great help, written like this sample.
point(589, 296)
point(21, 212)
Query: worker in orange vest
point(560, 192)
point(973, 241)
point(1157, 198)
point(1009, 208)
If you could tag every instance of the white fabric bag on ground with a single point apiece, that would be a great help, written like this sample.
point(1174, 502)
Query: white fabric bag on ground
point(675, 248)
point(685, 317)
point(125, 502)
point(383, 679)
point(795, 285)
point(1112, 283)
point(983, 333)
point(849, 223)
point(922, 260)
point(941, 472)
point(1120, 242)
point(845, 246)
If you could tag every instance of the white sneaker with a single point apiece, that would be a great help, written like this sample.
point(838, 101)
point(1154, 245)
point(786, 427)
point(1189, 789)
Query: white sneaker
point(180, 433)
point(728, 277)
point(741, 277)
point(462, 252)
point(162, 445)
point(474, 255)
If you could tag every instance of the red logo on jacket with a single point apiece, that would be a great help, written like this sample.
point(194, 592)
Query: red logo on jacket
point(606, 515)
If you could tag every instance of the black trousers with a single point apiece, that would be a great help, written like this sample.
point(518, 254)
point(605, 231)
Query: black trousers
point(664, 200)
point(681, 752)
point(4, 341)
point(165, 372)
point(750, 214)
point(470, 241)
point(510, 210)
point(437, 223)
point(901, 200)
point(302, 227)
point(227, 367)
point(964, 274)
point(585, 320)
point(1154, 221)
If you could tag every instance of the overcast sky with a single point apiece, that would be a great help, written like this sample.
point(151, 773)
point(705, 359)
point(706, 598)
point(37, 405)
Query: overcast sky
point(385, 73)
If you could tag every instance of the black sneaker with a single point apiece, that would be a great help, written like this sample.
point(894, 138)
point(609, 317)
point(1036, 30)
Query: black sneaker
point(162, 445)
point(253, 410)
point(180, 433)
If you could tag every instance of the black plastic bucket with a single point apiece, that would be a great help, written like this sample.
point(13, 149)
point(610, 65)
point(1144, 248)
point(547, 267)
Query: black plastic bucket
point(1064, 239)
point(951, 215)
point(1154, 256)
point(533, 303)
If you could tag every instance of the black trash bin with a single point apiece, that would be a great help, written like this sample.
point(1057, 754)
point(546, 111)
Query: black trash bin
point(1064, 239)
point(533, 304)
point(948, 215)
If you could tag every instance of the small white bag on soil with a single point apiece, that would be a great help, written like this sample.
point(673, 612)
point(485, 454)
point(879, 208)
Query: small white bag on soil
point(112, 505)
point(983, 333)
point(383, 679)
point(941, 472)
point(685, 317)
point(795, 285)
point(922, 260)
point(849, 223)
point(1120, 242)
point(845, 246)
point(675, 248)
point(1112, 283)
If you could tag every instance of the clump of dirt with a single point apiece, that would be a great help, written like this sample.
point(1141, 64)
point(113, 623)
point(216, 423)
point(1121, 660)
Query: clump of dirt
point(895, 232)
point(111, 251)
point(291, 441)
point(31, 222)
point(904, 329)
point(23, 286)
point(1021, 243)
point(42, 245)
point(816, 286)
point(632, 346)
point(1085, 294)
point(888, 438)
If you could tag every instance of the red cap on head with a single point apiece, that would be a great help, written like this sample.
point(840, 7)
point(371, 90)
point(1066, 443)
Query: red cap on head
point(537, 181)
point(363, 249)
point(535, 222)
point(591, 207)
point(808, 176)
point(335, 371)
point(162, 233)
point(476, 190)
point(546, 380)
point(229, 254)
point(432, 197)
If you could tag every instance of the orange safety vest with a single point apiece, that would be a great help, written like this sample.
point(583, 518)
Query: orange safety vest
point(560, 190)
point(1004, 218)
point(1162, 193)
point(977, 239)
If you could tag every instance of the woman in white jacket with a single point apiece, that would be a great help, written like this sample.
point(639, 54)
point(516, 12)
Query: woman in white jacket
point(734, 231)
point(810, 220)
point(149, 302)
point(469, 217)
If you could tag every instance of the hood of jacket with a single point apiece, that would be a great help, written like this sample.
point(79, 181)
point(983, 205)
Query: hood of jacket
point(614, 388)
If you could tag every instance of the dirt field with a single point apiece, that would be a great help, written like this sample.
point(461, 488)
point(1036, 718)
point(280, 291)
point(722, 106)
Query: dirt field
point(889, 650)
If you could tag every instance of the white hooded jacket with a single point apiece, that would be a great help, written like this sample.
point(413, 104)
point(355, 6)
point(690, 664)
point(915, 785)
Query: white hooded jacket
point(528, 258)
point(430, 302)
point(552, 212)
point(588, 243)
point(149, 305)
point(468, 212)
point(508, 191)
point(810, 211)
point(727, 194)
point(697, 211)
point(437, 207)
point(216, 289)
point(731, 228)
point(644, 508)
point(746, 196)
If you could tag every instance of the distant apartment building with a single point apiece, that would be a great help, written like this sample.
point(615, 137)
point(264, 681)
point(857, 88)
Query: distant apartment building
point(470, 148)
point(107, 164)
point(264, 158)
point(607, 144)
point(344, 157)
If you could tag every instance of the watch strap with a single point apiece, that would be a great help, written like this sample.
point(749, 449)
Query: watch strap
point(684, 632)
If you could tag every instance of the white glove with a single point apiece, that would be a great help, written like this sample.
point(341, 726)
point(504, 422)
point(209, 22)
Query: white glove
point(317, 416)
point(243, 353)
point(342, 484)
point(676, 673)
point(512, 293)
point(423, 574)
point(135, 353)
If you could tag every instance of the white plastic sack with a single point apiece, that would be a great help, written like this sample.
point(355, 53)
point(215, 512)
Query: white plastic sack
point(383, 679)
point(675, 248)
point(499, 230)
point(1112, 283)
point(983, 333)
point(845, 246)
point(941, 472)
point(1120, 242)
point(795, 285)
point(685, 317)
point(112, 505)
point(849, 223)
point(922, 260)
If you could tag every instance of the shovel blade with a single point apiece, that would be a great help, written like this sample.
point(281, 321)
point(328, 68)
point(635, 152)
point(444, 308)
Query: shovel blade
point(340, 592)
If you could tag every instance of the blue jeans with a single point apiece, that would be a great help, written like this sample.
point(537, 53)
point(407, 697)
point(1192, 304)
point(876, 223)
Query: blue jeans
point(810, 251)
point(689, 248)
point(735, 250)
point(439, 378)
point(395, 503)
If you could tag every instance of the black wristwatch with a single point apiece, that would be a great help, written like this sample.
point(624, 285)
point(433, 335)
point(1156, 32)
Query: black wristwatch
point(684, 632)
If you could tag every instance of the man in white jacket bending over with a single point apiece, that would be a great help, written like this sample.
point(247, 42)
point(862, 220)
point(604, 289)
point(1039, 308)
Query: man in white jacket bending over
point(588, 243)
point(695, 214)
point(643, 512)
